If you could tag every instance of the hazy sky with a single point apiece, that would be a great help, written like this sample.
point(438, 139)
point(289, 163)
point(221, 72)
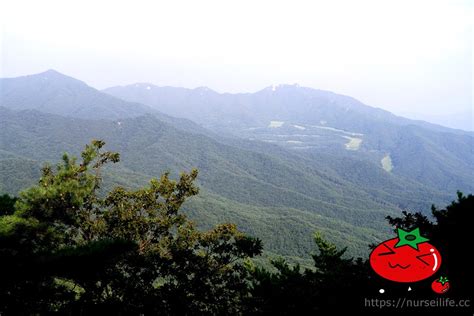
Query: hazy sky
point(405, 56)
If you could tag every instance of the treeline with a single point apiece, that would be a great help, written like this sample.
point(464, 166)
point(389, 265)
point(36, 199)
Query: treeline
point(68, 247)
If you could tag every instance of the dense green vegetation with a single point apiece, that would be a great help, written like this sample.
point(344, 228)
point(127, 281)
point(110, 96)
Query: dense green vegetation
point(69, 245)
point(65, 248)
point(263, 192)
point(337, 284)
point(278, 193)
point(319, 121)
point(7, 204)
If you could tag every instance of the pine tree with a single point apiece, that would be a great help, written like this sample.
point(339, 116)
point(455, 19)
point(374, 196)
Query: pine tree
point(70, 247)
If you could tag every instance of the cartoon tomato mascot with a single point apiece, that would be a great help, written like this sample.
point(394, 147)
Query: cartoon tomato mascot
point(440, 285)
point(407, 258)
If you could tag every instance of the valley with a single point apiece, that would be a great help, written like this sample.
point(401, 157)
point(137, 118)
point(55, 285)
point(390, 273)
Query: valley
point(278, 174)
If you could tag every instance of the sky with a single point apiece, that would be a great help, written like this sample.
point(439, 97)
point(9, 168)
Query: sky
point(413, 58)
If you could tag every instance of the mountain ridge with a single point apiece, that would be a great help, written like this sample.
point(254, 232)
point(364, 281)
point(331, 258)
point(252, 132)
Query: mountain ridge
point(242, 180)
point(314, 121)
point(262, 185)
point(114, 90)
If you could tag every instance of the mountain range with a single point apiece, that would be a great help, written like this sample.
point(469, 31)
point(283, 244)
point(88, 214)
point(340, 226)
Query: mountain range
point(281, 163)
point(316, 121)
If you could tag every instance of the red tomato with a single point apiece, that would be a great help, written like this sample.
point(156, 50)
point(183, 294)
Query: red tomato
point(440, 285)
point(405, 263)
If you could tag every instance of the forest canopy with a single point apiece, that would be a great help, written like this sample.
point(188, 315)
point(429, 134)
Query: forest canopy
point(68, 246)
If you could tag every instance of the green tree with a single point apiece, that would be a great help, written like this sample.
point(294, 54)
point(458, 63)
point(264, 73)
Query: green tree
point(70, 247)
point(335, 283)
point(7, 204)
point(449, 229)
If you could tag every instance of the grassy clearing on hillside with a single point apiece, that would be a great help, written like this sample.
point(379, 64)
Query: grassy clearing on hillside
point(353, 143)
point(276, 124)
point(387, 163)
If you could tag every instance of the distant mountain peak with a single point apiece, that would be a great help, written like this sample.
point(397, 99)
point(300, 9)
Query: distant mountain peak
point(53, 92)
point(204, 89)
point(55, 76)
point(51, 72)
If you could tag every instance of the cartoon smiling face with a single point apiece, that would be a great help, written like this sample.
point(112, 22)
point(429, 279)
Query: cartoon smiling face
point(407, 258)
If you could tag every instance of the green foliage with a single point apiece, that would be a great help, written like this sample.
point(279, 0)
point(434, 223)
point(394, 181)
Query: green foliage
point(17, 173)
point(68, 248)
point(71, 247)
point(266, 191)
point(425, 153)
point(292, 290)
point(449, 232)
point(338, 284)
point(7, 204)
point(283, 195)
point(329, 257)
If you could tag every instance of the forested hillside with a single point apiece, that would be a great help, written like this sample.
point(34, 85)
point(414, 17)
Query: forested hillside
point(314, 121)
point(269, 189)
point(68, 245)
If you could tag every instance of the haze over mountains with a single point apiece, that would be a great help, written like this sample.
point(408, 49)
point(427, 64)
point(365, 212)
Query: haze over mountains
point(318, 121)
point(281, 163)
